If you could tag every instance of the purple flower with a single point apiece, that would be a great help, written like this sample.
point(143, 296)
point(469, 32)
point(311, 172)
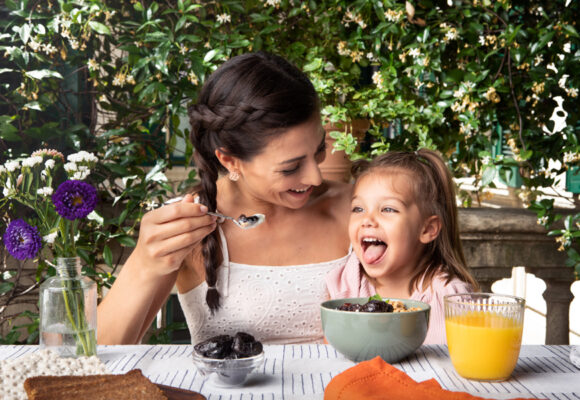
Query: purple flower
point(22, 240)
point(74, 199)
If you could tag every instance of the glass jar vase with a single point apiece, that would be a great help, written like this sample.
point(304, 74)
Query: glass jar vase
point(68, 311)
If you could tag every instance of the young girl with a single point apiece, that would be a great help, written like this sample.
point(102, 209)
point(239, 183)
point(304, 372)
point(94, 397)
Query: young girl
point(404, 232)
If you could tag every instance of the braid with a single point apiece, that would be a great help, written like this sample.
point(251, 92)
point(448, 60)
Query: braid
point(208, 168)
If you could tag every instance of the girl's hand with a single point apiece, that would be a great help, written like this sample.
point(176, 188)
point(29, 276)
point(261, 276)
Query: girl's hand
point(170, 233)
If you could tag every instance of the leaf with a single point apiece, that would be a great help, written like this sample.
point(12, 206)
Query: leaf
point(108, 256)
point(209, 55)
point(180, 23)
point(43, 73)
point(33, 105)
point(8, 131)
point(5, 287)
point(99, 28)
point(313, 65)
point(375, 297)
point(126, 241)
point(95, 216)
point(489, 174)
point(570, 30)
point(25, 33)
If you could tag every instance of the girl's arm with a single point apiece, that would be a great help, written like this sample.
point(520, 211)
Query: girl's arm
point(168, 235)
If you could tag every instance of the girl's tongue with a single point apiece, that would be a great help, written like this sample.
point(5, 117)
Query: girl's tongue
point(372, 252)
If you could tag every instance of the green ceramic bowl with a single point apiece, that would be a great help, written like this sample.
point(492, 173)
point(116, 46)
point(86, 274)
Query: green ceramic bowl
point(362, 336)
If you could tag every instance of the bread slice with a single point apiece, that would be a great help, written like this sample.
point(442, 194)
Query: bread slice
point(129, 386)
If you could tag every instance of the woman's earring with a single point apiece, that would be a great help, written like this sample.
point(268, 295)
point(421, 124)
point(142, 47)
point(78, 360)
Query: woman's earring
point(234, 176)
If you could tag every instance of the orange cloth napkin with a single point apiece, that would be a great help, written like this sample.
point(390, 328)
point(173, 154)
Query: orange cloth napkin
point(377, 380)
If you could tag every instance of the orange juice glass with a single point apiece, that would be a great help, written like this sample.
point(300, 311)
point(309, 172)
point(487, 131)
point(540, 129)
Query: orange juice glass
point(484, 334)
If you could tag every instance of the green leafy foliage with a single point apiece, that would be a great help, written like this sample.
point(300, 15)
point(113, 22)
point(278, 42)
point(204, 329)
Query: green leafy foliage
point(477, 80)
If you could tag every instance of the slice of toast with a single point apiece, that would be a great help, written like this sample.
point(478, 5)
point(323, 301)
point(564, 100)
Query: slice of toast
point(129, 386)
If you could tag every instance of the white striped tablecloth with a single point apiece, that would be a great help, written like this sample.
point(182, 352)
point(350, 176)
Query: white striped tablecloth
point(301, 372)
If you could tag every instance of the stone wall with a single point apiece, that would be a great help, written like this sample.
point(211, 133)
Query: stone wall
point(495, 240)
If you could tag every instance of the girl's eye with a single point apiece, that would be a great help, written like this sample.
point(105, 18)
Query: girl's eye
point(291, 170)
point(388, 210)
point(357, 209)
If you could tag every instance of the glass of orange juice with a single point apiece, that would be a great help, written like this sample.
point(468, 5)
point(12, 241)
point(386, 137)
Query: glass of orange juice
point(484, 334)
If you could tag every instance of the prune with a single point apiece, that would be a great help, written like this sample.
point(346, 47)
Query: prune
point(242, 345)
point(350, 307)
point(370, 306)
point(377, 306)
point(215, 347)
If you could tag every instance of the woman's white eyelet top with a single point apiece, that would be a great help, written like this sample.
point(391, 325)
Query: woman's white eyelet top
point(275, 304)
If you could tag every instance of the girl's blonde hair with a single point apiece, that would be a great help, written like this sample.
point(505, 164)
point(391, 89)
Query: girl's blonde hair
point(434, 192)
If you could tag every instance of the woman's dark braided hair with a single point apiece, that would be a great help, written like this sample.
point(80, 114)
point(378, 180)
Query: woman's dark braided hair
point(242, 105)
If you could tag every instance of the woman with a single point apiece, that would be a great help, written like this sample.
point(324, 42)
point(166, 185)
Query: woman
point(258, 139)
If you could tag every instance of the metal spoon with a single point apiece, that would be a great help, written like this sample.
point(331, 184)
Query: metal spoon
point(243, 221)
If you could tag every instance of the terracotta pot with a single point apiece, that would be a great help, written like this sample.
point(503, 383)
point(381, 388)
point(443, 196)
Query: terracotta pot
point(337, 165)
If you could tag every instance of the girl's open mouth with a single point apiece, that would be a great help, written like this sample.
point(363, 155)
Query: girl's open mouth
point(373, 250)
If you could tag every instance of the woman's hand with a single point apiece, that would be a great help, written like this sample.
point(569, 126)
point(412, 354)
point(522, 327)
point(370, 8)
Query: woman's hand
point(170, 233)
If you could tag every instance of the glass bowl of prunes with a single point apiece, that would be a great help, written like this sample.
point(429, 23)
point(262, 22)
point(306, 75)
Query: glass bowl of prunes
point(228, 360)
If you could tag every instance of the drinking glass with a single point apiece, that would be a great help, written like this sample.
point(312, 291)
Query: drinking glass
point(484, 334)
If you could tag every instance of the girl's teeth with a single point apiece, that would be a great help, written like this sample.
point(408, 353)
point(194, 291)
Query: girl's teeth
point(299, 191)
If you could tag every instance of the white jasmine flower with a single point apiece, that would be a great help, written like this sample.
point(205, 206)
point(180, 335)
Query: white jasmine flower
point(192, 77)
point(469, 85)
point(451, 34)
point(393, 16)
point(49, 49)
point(2, 169)
point(378, 79)
point(50, 237)
point(371, 57)
point(74, 44)
point(223, 18)
point(49, 164)
point(34, 45)
point(459, 93)
point(119, 79)
point(93, 65)
point(342, 48)
point(45, 191)
point(415, 52)
point(31, 161)
point(572, 92)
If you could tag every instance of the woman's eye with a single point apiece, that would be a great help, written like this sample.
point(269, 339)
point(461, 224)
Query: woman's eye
point(291, 170)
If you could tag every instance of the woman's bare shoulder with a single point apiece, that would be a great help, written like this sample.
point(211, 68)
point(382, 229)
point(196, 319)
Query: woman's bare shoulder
point(336, 191)
point(333, 197)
